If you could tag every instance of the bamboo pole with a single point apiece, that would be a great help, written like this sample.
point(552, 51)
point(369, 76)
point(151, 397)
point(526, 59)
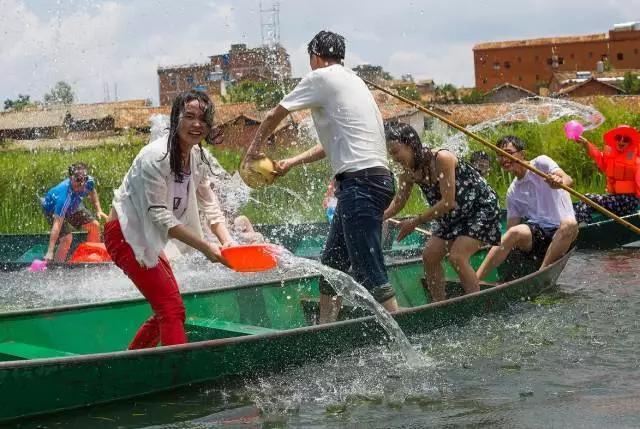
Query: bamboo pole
point(420, 230)
point(505, 154)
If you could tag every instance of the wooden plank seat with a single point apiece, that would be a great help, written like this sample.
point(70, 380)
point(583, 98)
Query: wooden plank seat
point(199, 329)
point(30, 351)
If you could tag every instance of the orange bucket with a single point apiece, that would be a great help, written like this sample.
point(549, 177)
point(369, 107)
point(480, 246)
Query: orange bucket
point(90, 253)
point(251, 257)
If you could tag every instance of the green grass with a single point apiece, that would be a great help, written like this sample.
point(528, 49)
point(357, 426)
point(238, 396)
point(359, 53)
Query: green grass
point(297, 196)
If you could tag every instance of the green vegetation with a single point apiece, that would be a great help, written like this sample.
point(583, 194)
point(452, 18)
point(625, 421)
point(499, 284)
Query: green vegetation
point(297, 197)
point(264, 94)
point(61, 93)
point(19, 103)
point(631, 83)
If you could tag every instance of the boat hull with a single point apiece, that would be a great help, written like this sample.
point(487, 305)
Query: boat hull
point(277, 332)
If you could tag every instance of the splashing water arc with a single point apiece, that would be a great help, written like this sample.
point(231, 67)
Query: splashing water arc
point(533, 110)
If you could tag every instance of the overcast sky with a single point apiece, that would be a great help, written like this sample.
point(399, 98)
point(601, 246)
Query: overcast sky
point(93, 43)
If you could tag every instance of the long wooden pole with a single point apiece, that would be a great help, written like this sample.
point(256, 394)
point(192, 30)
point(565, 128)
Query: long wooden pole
point(420, 230)
point(505, 154)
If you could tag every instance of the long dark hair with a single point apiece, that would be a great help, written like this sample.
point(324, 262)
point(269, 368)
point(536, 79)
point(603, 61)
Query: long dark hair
point(177, 109)
point(406, 135)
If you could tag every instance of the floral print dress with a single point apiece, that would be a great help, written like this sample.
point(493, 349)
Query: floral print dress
point(477, 212)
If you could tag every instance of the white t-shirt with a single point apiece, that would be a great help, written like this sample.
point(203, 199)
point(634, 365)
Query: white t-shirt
point(346, 117)
point(181, 195)
point(533, 198)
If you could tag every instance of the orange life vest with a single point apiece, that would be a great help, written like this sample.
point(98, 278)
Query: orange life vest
point(620, 169)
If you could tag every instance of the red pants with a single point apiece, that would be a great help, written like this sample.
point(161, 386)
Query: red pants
point(159, 287)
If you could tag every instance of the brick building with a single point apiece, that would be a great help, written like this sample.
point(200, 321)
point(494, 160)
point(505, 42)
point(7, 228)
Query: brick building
point(240, 63)
point(530, 64)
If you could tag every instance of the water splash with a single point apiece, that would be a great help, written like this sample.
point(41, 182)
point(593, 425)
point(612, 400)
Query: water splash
point(535, 110)
point(357, 295)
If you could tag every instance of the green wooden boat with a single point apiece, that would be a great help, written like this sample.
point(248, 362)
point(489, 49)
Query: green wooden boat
point(17, 251)
point(604, 233)
point(70, 357)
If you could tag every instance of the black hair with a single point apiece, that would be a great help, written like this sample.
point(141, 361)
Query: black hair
point(479, 155)
point(406, 135)
point(77, 166)
point(177, 109)
point(518, 143)
point(327, 44)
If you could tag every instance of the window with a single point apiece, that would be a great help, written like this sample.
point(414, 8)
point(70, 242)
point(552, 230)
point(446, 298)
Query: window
point(560, 60)
point(590, 54)
point(520, 78)
point(537, 58)
point(635, 51)
point(507, 65)
point(519, 59)
point(572, 56)
point(496, 66)
point(173, 81)
point(620, 56)
point(190, 80)
point(537, 77)
point(484, 80)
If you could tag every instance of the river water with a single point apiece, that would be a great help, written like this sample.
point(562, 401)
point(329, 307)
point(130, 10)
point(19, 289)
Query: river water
point(568, 359)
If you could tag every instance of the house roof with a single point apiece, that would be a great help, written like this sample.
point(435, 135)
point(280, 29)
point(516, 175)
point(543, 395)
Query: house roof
point(607, 76)
point(591, 81)
point(541, 41)
point(510, 85)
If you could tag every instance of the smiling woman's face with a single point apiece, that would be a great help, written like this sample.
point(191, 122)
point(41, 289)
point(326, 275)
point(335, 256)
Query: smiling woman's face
point(192, 127)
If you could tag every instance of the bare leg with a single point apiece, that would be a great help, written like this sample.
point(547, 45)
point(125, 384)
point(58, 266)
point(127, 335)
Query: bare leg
point(63, 248)
point(93, 231)
point(432, 256)
point(390, 305)
point(329, 308)
point(517, 237)
point(565, 235)
point(461, 250)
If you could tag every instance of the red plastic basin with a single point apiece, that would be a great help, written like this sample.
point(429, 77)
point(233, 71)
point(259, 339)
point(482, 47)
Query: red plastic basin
point(251, 257)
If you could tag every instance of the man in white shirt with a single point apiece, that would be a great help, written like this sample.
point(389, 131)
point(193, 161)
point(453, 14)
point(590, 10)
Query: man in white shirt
point(550, 228)
point(351, 134)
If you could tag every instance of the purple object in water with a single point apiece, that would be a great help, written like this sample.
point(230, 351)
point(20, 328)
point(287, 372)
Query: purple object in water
point(573, 130)
point(38, 265)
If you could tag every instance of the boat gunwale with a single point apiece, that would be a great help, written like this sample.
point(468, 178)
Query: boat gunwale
point(95, 357)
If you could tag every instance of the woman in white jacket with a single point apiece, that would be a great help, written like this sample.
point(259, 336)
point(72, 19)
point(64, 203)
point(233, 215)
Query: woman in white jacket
point(161, 197)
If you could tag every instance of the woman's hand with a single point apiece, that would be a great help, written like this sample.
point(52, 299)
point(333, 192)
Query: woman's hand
point(102, 215)
point(406, 227)
point(212, 252)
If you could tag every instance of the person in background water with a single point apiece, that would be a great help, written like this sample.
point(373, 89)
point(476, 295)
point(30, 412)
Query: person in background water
point(480, 161)
point(462, 204)
point(620, 162)
point(351, 134)
point(64, 210)
point(550, 226)
point(161, 197)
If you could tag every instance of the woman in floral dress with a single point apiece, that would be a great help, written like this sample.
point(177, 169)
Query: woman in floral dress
point(463, 207)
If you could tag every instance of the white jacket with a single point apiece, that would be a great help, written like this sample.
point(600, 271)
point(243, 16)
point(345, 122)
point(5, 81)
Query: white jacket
point(144, 201)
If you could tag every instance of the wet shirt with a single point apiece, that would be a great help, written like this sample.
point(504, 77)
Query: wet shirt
point(181, 195)
point(532, 198)
point(345, 115)
point(62, 201)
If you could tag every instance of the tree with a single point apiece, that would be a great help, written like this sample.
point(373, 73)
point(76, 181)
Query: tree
point(60, 94)
point(19, 103)
point(409, 91)
point(446, 93)
point(474, 97)
point(631, 83)
point(264, 94)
